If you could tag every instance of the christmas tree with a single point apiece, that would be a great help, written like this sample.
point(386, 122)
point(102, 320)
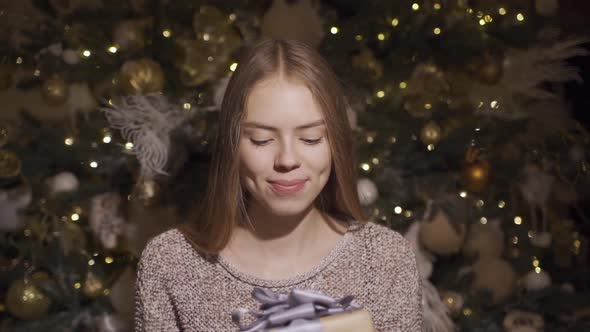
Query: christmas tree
point(466, 146)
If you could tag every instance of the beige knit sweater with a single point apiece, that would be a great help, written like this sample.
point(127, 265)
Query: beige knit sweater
point(178, 289)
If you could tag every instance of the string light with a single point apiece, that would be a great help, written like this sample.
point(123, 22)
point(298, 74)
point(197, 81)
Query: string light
point(108, 259)
point(535, 262)
point(482, 22)
point(515, 239)
point(112, 49)
point(366, 167)
point(520, 17)
point(501, 204)
point(375, 161)
point(333, 30)
point(393, 139)
point(358, 37)
point(232, 17)
point(436, 6)
point(233, 66)
point(517, 220)
point(494, 104)
point(93, 164)
point(408, 213)
point(166, 33)
point(488, 18)
point(531, 234)
point(37, 72)
point(430, 147)
point(86, 53)
point(538, 270)
point(415, 6)
point(128, 145)
point(483, 220)
point(394, 22)
point(502, 11)
point(380, 94)
point(403, 85)
point(106, 139)
point(381, 36)
point(467, 312)
point(69, 141)
point(479, 203)
point(19, 60)
point(437, 31)
point(77, 285)
point(397, 210)
point(91, 262)
point(463, 194)
point(75, 217)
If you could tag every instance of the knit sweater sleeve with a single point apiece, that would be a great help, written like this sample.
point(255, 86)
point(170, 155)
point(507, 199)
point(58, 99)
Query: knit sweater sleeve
point(154, 310)
point(400, 296)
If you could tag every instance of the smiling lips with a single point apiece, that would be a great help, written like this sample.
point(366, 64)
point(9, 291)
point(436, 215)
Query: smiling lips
point(287, 187)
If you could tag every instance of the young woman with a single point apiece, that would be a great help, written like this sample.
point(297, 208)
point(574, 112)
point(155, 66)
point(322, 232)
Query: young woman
point(281, 209)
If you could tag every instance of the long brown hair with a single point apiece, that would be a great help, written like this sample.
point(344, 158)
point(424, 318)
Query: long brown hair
point(223, 205)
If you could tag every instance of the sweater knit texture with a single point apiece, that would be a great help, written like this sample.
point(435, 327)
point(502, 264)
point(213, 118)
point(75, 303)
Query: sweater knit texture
point(178, 289)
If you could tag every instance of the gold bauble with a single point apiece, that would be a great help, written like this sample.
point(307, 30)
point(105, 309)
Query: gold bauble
point(426, 88)
point(129, 35)
point(453, 301)
point(25, 300)
point(141, 76)
point(72, 236)
point(440, 236)
point(475, 176)
point(6, 76)
point(488, 68)
point(430, 133)
point(210, 24)
point(200, 61)
point(367, 62)
point(93, 285)
point(10, 165)
point(55, 91)
point(495, 275)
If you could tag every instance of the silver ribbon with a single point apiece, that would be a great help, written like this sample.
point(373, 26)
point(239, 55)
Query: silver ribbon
point(298, 311)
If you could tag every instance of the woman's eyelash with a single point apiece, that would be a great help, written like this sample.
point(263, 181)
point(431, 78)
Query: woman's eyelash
point(259, 143)
point(306, 141)
point(312, 141)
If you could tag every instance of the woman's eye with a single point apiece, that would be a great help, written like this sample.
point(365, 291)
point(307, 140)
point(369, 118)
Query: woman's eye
point(259, 143)
point(312, 141)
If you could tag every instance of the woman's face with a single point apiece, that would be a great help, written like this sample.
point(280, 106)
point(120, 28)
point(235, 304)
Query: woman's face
point(285, 158)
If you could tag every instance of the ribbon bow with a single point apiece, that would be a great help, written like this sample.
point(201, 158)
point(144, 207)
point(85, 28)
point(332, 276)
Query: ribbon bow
point(296, 308)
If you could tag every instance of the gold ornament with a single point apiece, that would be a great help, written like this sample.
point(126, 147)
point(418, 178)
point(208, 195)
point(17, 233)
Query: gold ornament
point(141, 76)
point(430, 133)
point(55, 91)
point(6, 76)
point(475, 174)
point(440, 236)
point(495, 275)
point(129, 35)
point(93, 285)
point(10, 165)
point(453, 301)
point(426, 89)
point(367, 62)
point(488, 68)
point(211, 25)
point(147, 191)
point(200, 61)
point(25, 300)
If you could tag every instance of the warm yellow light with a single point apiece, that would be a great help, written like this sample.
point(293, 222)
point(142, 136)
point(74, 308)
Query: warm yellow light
point(86, 53)
point(393, 139)
point(427, 106)
point(375, 161)
point(437, 6)
point(482, 22)
point(381, 36)
point(535, 262)
point(167, 33)
point(19, 60)
point(93, 164)
point(430, 147)
point(502, 11)
point(538, 270)
point(91, 262)
point(333, 30)
point(437, 31)
point(515, 239)
point(106, 139)
point(75, 217)
point(501, 204)
point(112, 49)
point(358, 37)
point(494, 104)
point(233, 66)
point(108, 259)
point(483, 220)
point(467, 312)
point(479, 203)
point(520, 17)
point(69, 141)
point(397, 209)
point(128, 145)
point(77, 285)
point(232, 17)
point(517, 220)
point(463, 194)
point(488, 18)
point(395, 22)
point(531, 234)
point(380, 94)
point(408, 213)
point(403, 85)
point(37, 72)
point(366, 167)
point(415, 6)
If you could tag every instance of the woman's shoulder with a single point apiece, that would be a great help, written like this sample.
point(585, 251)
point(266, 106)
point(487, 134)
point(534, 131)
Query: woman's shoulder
point(384, 242)
point(166, 248)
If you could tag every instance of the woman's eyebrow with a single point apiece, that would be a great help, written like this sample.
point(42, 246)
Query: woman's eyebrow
point(255, 124)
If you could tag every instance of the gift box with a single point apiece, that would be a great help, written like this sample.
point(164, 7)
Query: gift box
point(303, 311)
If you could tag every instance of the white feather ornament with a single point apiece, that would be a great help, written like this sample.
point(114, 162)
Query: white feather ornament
point(147, 121)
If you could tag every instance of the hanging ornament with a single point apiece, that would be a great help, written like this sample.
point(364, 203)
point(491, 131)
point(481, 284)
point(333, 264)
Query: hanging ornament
point(93, 285)
point(12, 201)
point(367, 191)
point(141, 76)
point(426, 89)
point(10, 165)
point(488, 68)
point(283, 21)
point(55, 91)
point(63, 182)
point(200, 61)
point(536, 189)
point(210, 24)
point(475, 174)
point(366, 62)
point(522, 321)
point(6, 76)
point(453, 301)
point(25, 300)
point(440, 236)
point(105, 220)
point(484, 240)
point(534, 280)
point(80, 100)
point(146, 191)
point(547, 7)
point(430, 133)
point(494, 275)
point(129, 35)
point(121, 294)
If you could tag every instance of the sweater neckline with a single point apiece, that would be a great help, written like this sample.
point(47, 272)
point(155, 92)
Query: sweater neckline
point(298, 278)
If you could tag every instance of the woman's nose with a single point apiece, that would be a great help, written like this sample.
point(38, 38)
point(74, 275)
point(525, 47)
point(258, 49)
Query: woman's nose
point(287, 158)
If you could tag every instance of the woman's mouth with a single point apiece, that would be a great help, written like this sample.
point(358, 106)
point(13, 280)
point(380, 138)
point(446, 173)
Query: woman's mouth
point(287, 187)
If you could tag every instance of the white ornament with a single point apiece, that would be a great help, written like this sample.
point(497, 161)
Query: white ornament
point(535, 281)
point(81, 100)
point(70, 57)
point(541, 240)
point(11, 201)
point(367, 191)
point(105, 221)
point(63, 182)
point(55, 49)
point(546, 7)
